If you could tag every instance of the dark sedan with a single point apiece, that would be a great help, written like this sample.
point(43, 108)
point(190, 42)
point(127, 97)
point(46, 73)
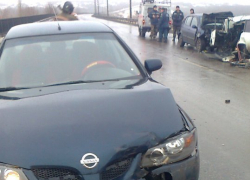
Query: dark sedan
point(77, 104)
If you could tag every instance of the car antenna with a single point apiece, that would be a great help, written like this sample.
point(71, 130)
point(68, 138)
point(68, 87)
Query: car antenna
point(59, 27)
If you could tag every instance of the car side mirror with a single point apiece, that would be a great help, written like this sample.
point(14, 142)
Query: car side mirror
point(194, 26)
point(152, 65)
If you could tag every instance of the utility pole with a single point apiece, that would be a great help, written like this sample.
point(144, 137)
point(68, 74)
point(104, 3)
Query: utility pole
point(95, 6)
point(107, 7)
point(98, 7)
point(130, 8)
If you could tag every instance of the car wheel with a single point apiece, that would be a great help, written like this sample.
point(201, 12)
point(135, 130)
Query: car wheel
point(211, 49)
point(200, 44)
point(181, 42)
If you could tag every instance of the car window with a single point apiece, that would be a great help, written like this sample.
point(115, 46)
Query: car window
point(188, 21)
point(45, 60)
point(194, 22)
point(247, 26)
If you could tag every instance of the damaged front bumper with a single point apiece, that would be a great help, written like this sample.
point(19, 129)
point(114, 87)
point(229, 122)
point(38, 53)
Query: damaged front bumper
point(187, 169)
point(184, 170)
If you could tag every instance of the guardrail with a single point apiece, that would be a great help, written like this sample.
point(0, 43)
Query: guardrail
point(51, 18)
point(118, 19)
point(7, 24)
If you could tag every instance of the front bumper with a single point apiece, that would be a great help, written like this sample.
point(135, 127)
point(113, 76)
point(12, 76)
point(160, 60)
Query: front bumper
point(184, 170)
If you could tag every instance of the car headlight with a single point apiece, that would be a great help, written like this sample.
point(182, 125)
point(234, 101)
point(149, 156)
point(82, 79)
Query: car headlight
point(173, 150)
point(9, 173)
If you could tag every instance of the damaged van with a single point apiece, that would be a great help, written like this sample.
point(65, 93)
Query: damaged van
point(197, 29)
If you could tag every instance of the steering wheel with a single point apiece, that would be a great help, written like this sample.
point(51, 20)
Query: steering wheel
point(95, 64)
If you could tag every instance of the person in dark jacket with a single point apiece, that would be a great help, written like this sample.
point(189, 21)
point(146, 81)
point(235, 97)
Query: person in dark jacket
point(177, 17)
point(163, 25)
point(154, 17)
point(67, 12)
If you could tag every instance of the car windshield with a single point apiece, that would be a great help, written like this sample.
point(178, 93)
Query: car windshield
point(49, 60)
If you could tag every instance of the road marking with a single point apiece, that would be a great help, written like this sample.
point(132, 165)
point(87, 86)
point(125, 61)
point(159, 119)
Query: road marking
point(195, 64)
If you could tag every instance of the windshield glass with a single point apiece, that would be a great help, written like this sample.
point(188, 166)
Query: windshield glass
point(48, 60)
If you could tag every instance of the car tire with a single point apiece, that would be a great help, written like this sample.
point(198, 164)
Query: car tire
point(181, 42)
point(211, 49)
point(200, 44)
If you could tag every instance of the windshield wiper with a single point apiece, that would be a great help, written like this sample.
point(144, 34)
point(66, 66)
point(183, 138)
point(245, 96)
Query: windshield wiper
point(94, 81)
point(9, 98)
point(69, 83)
point(12, 89)
point(75, 82)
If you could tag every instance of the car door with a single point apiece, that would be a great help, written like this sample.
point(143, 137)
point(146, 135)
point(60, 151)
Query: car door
point(186, 28)
point(193, 31)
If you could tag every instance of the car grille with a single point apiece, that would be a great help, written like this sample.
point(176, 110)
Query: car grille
point(55, 174)
point(116, 170)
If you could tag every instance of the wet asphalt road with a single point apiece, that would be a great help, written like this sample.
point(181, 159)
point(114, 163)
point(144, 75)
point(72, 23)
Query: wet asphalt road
point(201, 86)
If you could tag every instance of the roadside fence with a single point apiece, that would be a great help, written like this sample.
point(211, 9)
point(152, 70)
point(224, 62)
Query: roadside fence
point(7, 24)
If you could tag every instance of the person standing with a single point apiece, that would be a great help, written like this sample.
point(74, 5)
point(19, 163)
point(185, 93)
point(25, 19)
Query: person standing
point(163, 25)
point(67, 12)
point(177, 17)
point(191, 11)
point(154, 17)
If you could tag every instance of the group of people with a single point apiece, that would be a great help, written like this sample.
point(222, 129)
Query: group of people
point(160, 22)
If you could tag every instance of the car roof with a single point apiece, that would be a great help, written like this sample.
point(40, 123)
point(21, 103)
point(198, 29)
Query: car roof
point(52, 28)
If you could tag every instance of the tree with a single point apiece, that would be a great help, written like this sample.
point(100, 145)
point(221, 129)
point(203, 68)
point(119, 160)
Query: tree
point(48, 9)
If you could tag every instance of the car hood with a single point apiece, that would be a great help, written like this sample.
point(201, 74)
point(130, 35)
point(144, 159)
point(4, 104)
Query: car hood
point(215, 17)
point(58, 129)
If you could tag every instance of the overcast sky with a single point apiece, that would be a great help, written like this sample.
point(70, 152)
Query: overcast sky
point(242, 2)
